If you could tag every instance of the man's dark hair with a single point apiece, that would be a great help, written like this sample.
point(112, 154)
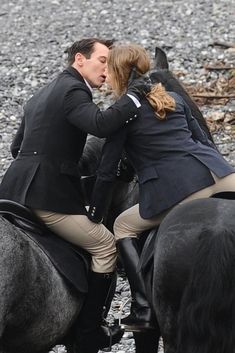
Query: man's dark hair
point(85, 47)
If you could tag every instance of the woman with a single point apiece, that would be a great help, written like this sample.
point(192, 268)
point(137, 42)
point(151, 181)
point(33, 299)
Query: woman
point(173, 158)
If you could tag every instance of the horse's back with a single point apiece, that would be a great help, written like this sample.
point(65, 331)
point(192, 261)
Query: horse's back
point(183, 227)
point(193, 237)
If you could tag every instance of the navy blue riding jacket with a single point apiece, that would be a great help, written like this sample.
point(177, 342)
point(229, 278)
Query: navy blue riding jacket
point(173, 158)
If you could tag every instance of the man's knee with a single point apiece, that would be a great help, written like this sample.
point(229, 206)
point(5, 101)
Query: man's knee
point(105, 261)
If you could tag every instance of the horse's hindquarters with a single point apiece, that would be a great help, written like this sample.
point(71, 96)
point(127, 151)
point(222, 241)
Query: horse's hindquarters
point(37, 306)
point(193, 270)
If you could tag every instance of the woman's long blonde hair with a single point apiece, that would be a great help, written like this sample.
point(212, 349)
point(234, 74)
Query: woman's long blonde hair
point(121, 60)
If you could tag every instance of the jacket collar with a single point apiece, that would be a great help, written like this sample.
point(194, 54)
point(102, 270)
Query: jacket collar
point(78, 76)
point(75, 73)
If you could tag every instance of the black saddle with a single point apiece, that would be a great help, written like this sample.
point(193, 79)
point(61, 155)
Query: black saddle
point(12, 209)
point(71, 261)
point(227, 195)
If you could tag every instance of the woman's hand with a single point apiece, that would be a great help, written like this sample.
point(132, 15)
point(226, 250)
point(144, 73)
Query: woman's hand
point(138, 85)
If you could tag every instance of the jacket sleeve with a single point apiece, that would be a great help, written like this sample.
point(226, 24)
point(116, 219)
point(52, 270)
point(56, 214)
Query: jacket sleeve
point(86, 115)
point(17, 140)
point(106, 176)
point(197, 132)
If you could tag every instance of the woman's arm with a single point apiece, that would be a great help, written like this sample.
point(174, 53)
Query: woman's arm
point(106, 175)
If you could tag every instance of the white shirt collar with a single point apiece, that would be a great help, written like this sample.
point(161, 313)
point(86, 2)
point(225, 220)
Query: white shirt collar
point(87, 84)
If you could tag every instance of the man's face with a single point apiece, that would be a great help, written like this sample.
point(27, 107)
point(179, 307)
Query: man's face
point(94, 69)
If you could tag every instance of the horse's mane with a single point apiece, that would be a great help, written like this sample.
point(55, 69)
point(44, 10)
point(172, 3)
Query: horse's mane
point(90, 159)
point(207, 313)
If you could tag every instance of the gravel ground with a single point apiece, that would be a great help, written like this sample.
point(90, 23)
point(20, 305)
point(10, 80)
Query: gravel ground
point(35, 33)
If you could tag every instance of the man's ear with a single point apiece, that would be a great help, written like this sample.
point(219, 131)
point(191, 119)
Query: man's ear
point(79, 59)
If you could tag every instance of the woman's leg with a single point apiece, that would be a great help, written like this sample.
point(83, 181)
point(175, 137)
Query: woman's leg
point(130, 224)
point(126, 229)
point(224, 184)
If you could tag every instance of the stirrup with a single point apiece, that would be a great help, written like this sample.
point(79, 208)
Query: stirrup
point(122, 306)
point(106, 326)
point(124, 327)
point(109, 348)
point(138, 328)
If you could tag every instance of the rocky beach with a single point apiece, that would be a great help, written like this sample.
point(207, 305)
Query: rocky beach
point(198, 37)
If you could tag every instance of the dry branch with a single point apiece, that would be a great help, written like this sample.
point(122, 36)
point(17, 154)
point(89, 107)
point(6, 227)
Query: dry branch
point(213, 96)
point(224, 44)
point(215, 67)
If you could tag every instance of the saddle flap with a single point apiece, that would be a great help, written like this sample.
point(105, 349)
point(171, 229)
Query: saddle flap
point(147, 253)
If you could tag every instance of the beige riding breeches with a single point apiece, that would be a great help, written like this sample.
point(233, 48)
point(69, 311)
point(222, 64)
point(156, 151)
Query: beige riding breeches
point(131, 224)
point(93, 237)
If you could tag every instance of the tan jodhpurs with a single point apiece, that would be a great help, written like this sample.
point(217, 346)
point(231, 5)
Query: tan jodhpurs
point(131, 224)
point(79, 230)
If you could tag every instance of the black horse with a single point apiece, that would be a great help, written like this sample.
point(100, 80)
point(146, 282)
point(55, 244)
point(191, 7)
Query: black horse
point(191, 277)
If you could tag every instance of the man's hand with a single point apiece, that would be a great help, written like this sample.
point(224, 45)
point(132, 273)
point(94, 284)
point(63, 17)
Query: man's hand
point(138, 86)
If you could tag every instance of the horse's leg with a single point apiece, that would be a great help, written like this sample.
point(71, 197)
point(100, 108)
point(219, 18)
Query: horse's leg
point(147, 342)
point(69, 341)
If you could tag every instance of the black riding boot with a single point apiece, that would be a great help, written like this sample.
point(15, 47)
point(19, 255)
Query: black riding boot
point(141, 316)
point(92, 331)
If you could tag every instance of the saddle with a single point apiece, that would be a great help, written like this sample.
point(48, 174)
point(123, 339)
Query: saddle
point(72, 262)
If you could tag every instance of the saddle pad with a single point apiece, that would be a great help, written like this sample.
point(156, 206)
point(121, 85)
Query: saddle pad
point(72, 262)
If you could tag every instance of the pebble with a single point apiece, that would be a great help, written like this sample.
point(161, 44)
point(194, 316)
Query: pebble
point(35, 33)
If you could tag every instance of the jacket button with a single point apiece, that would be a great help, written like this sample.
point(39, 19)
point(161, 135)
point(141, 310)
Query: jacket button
point(135, 116)
point(35, 152)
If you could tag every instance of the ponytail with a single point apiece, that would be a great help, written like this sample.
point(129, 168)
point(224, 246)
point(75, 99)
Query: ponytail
point(161, 101)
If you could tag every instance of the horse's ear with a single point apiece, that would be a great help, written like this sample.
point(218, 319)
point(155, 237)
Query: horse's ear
point(134, 74)
point(161, 61)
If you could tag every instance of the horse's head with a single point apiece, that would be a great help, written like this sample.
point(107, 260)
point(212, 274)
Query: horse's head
point(161, 74)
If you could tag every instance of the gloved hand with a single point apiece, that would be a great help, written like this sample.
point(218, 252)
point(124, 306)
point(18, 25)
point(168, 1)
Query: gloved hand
point(138, 86)
point(100, 200)
point(95, 214)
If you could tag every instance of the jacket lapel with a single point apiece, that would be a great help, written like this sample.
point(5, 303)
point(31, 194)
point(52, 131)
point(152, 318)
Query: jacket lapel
point(78, 76)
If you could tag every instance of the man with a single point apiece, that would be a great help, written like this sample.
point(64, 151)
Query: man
point(44, 175)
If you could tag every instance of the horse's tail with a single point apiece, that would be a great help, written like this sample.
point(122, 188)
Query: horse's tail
point(206, 321)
